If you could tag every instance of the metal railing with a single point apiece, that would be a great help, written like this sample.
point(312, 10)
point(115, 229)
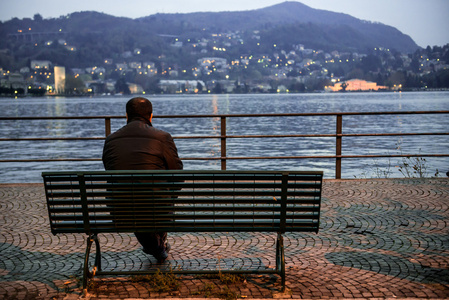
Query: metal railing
point(338, 135)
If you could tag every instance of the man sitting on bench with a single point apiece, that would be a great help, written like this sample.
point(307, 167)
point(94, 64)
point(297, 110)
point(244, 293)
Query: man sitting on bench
point(140, 146)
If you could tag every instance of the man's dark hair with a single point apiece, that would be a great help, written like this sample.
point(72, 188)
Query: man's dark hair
point(139, 107)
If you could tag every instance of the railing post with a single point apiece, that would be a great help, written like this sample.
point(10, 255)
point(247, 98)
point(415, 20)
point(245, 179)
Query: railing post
point(223, 142)
point(339, 131)
point(107, 126)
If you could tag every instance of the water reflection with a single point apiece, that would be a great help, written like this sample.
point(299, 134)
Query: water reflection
point(214, 145)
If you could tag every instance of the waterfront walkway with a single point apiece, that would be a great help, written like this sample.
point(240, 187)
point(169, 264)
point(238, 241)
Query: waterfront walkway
point(379, 238)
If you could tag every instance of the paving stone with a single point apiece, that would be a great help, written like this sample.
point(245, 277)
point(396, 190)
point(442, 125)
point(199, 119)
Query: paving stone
point(379, 238)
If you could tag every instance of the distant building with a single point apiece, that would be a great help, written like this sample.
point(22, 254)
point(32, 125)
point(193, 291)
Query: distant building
point(181, 86)
point(96, 70)
point(135, 65)
point(177, 44)
point(77, 71)
point(15, 81)
point(149, 65)
point(135, 88)
point(173, 73)
point(212, 61)
point(306, 62)
point(59, 80)
point(122, 66)
point(355, 85)
point(70, 48)
point(40, 64)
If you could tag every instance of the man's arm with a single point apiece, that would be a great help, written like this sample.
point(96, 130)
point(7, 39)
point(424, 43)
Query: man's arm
point(171, 154)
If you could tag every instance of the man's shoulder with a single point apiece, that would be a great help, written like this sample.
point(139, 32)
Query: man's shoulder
point(160, 131)
point(161, 135)
point(140, 129)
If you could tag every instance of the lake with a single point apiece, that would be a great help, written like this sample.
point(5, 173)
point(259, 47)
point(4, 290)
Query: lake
point(254, 147)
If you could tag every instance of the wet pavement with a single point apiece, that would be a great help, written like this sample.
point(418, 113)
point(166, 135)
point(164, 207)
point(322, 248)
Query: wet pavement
point(379, 238)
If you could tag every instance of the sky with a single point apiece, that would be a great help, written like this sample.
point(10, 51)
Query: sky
point(425, 21)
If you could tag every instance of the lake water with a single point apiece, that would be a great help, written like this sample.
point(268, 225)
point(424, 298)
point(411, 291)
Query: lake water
point(234, 104)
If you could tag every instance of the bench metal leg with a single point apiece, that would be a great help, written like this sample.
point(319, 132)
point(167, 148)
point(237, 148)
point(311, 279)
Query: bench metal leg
point(96, 268)
point(86, 272)
point(97, 253)
point(280, 259)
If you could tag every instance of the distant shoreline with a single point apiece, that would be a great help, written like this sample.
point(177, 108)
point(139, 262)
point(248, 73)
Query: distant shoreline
point(201, 94)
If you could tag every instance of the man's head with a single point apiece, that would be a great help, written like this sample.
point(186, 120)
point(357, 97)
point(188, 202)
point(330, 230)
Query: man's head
point(139, 107)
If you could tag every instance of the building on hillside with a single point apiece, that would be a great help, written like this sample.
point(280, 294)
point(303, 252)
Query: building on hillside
point(212, 61)
point(122, 67)
point(354, 85)
point(40, 64)
point(135, 65)
point(95, 70)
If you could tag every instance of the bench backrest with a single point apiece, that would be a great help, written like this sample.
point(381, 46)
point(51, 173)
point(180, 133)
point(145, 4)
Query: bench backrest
point(183, 201)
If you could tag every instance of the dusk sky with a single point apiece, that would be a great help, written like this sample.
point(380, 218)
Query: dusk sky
point(425, 21)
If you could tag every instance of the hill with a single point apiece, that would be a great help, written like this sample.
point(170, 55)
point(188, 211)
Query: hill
point(94, 36)
point(329, 27)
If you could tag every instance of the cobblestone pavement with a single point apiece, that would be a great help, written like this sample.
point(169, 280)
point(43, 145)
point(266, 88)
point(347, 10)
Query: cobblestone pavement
point(379, 238)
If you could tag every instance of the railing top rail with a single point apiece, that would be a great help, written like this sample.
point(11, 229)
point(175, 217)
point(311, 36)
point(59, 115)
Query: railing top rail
point(235, 115)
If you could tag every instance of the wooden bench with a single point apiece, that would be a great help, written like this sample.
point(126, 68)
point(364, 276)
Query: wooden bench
point(182, 201)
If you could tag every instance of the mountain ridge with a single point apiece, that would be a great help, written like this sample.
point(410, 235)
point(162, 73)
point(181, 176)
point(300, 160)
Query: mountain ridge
point(283, 14)
point(287, 13)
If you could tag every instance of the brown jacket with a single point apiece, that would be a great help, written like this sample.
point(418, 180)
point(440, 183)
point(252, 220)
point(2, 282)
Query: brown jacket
point(140, 146)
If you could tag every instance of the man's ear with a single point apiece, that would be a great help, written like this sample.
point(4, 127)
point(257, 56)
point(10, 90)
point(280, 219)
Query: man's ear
point(151, 117)
point(126, 117)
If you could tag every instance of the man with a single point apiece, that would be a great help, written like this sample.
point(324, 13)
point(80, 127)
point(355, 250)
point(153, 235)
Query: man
point(140, 146)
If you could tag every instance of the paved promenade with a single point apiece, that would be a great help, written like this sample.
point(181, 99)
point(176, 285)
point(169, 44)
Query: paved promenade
point(379, 238)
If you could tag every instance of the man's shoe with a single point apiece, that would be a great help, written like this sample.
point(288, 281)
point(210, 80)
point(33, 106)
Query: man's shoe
point(161, 257)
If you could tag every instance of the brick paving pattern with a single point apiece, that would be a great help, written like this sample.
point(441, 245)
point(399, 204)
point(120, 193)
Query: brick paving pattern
point(379, 238)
